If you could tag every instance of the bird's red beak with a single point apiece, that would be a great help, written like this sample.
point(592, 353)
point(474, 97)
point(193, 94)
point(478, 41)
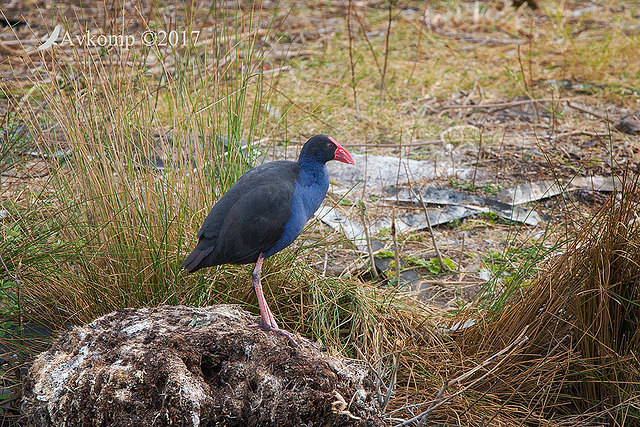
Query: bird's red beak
point(342, 155)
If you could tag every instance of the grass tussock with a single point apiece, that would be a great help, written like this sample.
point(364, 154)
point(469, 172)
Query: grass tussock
point(582, 318)
point(144, 160)
point(563, 351)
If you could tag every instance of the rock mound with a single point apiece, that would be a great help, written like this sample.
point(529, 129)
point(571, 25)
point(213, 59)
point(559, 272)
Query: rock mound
point(192, 367)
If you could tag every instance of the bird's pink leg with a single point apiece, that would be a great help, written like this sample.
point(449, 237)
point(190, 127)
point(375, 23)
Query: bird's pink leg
point(267, 321)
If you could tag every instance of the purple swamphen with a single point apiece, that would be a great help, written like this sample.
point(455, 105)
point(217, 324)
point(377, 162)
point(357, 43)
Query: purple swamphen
point(264, 212)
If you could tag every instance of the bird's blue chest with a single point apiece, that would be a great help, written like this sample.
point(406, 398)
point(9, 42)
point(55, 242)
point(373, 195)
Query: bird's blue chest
point(310, 189)
point(309, 193)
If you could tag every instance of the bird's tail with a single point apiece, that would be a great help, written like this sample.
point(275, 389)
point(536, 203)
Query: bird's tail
point(193, 261)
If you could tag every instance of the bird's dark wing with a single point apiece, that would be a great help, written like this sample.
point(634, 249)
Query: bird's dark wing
point(248, 219)
point(254, 224)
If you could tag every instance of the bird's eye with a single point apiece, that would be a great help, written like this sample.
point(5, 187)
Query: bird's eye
point(329, 144)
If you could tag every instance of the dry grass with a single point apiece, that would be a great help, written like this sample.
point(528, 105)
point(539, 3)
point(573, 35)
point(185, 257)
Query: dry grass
point(563, 351)
point(447, 53)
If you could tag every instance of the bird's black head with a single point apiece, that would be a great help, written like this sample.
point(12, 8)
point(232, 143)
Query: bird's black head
point(324, 148)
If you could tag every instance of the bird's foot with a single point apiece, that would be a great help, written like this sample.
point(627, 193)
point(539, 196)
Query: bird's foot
point(270, 328)
point(286, 334)
point(291, 337)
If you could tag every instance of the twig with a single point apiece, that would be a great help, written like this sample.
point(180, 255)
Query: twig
point(503, 104)
point(554, 117)
point(461, 255)
point(418, 49)
point(444, 387)
point(443, 266)
point(276, 70)
point(20, 43)
point(326, 261)
point(469, 96)
point(439, 401)
point(490, 40)
point(396, 252)
point(414, 144)
point(363, 217)
point(451, 129)
point(295, 104)
point(353, 73)
point(531, 38)
point(383, 82)
point(372, 368)
point(524, 77)
point(411, 144)
point(584, 110)
point(25, 175)
point(482, 396)
point(392, 380)
point(366, 37)
point(475, 169)
point(522, 338)
point(574, 132)
point(431, 282)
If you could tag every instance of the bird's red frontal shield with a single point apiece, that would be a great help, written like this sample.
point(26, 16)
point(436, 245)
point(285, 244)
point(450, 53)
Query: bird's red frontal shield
point(342, 155)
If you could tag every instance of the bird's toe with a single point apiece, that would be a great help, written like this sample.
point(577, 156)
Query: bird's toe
point(286, 334)
point(270, 328)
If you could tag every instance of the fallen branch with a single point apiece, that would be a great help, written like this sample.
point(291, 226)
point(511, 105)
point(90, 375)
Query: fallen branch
point(364, 144)
point(504, 104)
point(584, 110)
point(443, 266)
